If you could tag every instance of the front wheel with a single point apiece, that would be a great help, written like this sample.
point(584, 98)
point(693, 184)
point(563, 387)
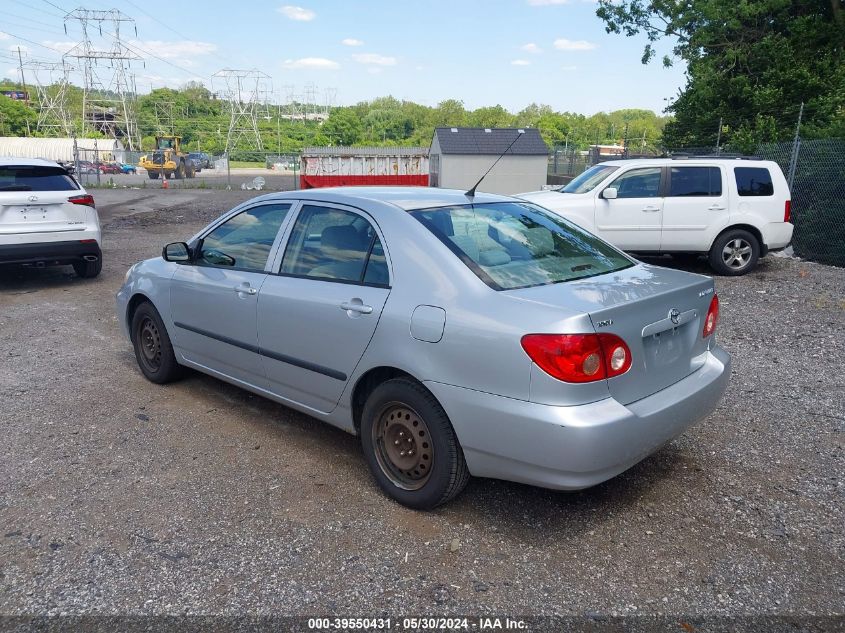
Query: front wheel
point(410, 445)
point(735, 252)
point(153, 175)
point(153, 349)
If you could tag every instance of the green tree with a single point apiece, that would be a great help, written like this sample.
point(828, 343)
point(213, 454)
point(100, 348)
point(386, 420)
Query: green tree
point(16, 118)
point(750, 64)
point(343, 127)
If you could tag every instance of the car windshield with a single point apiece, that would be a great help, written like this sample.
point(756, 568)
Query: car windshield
point(35, 178)
point(589, 180)
point(511, 245)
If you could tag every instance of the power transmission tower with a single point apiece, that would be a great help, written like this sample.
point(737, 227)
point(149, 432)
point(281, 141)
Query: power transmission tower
point(243, 91)
point(164, 116)
point(108, 102)
point(51, 86)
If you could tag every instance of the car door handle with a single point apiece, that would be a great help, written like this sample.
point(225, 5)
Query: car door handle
point(245, 289)
point(715, 207)
point(651, 209)
point(350, 306)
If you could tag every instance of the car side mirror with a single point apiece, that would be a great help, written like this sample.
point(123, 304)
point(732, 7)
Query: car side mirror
point(176, 252)
point(610, 193)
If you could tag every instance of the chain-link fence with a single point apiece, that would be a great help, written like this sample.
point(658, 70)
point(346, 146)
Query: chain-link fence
point(816, 170)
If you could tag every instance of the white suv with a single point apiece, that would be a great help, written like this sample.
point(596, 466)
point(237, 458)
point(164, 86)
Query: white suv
point(47, 218)
point(732, 210)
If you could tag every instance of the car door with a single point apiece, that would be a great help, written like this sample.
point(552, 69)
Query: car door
point(213, 298)
point(632, 220)
point(318, 314)
point(696, 200)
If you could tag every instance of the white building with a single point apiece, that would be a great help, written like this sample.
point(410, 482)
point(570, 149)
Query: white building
point(60, 148)
point(459, 156)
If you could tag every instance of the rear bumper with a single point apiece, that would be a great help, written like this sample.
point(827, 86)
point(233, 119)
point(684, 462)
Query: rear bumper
point(49, 253)
point(570, 448)
point(777, 235)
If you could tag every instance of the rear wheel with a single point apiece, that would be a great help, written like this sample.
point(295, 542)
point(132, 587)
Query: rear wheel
point(735, 252)
point(153, 349)
point(88, 270)
point(410, 446)
point(153, 175)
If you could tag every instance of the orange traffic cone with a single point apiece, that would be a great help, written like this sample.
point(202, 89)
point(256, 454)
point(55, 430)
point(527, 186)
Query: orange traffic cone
point(164, 184)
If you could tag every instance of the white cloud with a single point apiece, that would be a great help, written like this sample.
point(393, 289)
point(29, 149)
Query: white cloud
point(375, 70)
point(311, 63)
point(3, 36)
point(531, 47)
point(371, 59)
point(546, 3)
point(62, 47)
point(299, 14)
point(520, 62)
point(160, 81)
point(351, 41)
point(563, 44)
point(184, 50)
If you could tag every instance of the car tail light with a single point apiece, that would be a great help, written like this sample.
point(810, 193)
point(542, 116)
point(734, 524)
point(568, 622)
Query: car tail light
point(578, 357)
point(787, 211)
point(86, 200)
point(712, 317)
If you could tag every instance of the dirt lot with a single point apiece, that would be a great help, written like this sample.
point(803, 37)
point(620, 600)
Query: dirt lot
point(120, 496)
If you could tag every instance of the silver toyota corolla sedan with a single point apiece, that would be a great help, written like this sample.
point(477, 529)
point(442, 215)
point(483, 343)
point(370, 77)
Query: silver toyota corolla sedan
point(456, 335)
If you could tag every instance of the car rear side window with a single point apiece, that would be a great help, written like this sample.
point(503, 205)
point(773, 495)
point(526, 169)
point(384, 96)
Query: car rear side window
point(754, 181)
point(335, 245)
point(35, 178)
point(695, 181)
point(511, 245)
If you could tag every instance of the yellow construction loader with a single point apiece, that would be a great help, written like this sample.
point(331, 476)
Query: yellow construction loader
point(168, 160)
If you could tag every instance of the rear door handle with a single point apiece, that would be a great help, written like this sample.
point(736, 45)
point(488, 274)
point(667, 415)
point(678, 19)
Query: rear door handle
point(651, 209)
point(715, 207)
point(246, 289)
point(356, 306)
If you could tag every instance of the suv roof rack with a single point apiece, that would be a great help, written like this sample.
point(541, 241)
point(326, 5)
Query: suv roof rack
point(681, 156)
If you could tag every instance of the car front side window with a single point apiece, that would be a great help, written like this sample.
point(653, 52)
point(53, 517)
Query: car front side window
point(638, 183)
point(335, 245)
point(243, 241)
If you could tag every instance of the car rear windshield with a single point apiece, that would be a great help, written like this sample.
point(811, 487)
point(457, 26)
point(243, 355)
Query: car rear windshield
point(589, 180)
point(35, 178)
point(511, 245)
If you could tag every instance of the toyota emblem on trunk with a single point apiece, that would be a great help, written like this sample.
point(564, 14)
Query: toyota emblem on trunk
point(675, 315)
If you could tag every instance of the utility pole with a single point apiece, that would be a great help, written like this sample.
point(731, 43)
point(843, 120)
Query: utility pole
point(719, 137)
point(23, 87)
point(796, 143)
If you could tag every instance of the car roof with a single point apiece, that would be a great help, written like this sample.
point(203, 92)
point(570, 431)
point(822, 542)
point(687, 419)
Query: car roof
point(6, 161)
point(405, 198)
point(679, 161)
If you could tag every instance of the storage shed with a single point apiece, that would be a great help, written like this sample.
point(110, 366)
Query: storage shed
point(60, 148)
point(459, 156)
point(342, 165)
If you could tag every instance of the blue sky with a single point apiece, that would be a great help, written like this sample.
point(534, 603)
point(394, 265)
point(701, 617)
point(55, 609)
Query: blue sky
point(508, 52)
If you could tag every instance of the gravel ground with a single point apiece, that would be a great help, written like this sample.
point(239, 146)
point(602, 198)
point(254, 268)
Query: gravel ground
point(119, 496)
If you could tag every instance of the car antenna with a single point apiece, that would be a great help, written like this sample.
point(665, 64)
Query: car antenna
point(471, 192)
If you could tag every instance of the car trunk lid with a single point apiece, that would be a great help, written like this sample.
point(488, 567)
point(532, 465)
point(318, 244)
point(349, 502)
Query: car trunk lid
point(34, 199)
point(658, 312)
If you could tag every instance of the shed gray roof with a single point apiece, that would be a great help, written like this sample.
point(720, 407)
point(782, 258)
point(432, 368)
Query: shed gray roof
point(476, 140)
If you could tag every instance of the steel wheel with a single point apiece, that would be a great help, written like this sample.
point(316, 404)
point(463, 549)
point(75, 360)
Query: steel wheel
point(737, 253)
point(403, 446)
point(149, 343)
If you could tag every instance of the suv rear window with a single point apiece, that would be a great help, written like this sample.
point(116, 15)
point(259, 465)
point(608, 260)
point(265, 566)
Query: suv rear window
point(511, 245)
point(695, 181)
point(35, 178)
point(754, 181)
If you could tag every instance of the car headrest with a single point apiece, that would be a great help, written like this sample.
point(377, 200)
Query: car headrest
point(342, 238)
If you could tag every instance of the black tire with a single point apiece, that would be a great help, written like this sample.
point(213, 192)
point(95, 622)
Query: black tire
point(180, 171)
point(88, 270)
point(439, 472)
point(735, 252)
point(153, 175)
point(152, 346)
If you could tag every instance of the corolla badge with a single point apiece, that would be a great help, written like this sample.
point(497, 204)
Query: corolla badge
point(675, 315)
point(33, 198)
